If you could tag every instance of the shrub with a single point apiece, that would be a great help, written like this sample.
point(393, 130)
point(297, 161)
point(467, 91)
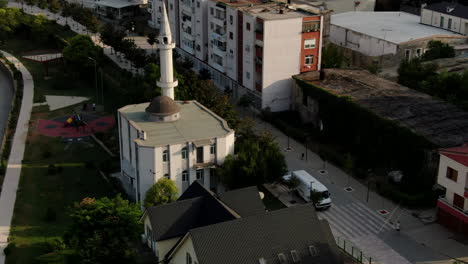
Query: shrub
point(50, 215)
point(9, 249)
point(51, 170)
point(54, 245)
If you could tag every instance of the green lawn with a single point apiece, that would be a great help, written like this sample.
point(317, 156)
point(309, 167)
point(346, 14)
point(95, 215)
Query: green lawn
point(40, 191)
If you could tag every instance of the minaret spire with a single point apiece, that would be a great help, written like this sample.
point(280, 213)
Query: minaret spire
point(165, 46)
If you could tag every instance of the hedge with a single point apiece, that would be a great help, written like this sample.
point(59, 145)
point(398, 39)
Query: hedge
point(374, 141)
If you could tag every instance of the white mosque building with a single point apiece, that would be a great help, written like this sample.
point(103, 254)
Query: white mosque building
point(180, 140)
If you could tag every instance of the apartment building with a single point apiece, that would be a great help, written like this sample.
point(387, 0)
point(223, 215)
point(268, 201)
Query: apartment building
point(251, 47)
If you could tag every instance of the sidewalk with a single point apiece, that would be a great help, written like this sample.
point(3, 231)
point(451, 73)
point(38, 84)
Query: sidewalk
point(10, 183)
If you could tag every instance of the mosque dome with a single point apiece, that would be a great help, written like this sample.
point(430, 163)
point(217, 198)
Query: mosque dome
point(163, 108)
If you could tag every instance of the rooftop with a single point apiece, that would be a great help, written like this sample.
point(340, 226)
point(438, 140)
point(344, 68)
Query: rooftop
point(441, 123)
point(274, 11)
point(119, 3)
point(198, 207)
point(458, 154)
point(265, 236)
point(196, 122)
point(395, 27)
point(449, 8)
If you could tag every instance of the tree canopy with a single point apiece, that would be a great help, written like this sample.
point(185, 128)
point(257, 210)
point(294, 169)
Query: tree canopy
point(102, 229)
point(332, 56)
point(162, 192)
point(438, 50)
point(79, 51)
point(258, 160)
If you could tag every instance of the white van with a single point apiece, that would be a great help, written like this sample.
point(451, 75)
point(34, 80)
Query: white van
point(307, 185)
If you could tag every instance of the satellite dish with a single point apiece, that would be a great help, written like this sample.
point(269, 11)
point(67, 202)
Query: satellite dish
point(262, 195)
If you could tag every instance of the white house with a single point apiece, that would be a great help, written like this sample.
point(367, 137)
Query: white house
point(453, 176)
point(182, 141)
point(233, 227)
point(447, 15)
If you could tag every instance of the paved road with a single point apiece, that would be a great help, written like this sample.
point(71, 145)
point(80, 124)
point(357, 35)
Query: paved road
point(6, 95)
point(353, 218)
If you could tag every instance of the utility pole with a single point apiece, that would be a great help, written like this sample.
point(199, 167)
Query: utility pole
point(385, 30)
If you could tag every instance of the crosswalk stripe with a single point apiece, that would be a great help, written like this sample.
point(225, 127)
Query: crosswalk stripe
point(373, 219)
point(363, 219)
point(355, 220)
point(347, 220)
point(338, 227)
point(387, 226)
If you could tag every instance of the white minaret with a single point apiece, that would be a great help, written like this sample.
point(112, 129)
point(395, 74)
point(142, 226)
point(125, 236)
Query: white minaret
point(165, 46)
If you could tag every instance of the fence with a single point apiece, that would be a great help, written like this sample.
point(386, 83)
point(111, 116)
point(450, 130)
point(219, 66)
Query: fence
point(354, 252)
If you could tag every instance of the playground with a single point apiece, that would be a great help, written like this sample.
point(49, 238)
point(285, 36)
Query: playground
point(75, 126)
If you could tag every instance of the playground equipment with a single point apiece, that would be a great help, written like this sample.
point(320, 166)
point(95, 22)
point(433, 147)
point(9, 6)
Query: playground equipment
point(76, 120)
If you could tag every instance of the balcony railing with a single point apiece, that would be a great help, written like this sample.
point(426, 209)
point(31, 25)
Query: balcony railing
point(460, 210)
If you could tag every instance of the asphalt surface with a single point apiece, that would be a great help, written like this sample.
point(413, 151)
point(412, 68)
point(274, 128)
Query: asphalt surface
point(6, 95)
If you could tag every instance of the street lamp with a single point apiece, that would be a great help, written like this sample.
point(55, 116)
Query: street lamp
point(385, 30)
point(95, 77)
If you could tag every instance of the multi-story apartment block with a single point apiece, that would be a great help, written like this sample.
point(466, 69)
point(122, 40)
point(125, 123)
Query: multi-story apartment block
point(252, 47)
point(453, 177)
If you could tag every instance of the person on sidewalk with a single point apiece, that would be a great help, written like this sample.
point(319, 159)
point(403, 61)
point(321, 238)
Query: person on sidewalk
point(397, 226)
point(302, 156)
point(94, 107)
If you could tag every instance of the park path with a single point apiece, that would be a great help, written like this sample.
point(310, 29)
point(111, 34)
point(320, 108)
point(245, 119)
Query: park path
point(13, 172)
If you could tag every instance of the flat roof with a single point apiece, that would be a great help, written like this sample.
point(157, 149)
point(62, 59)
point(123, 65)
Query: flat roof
point(272, 11)
point(196, 122)
point(395, 27)
point(443, 124)
point(117, 3)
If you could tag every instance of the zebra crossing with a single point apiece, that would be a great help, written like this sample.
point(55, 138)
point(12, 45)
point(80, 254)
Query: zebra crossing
point(354, 220)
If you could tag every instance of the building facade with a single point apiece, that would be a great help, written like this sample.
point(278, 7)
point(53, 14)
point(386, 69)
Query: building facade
point(451, 16)
point(182, 141)
point(250, 47)
point(453, 177)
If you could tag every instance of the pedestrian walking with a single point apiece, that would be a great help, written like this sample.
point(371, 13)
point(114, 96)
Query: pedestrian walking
point(85, 105)
point(302, 156)
point(397, 226)
point(94, 107)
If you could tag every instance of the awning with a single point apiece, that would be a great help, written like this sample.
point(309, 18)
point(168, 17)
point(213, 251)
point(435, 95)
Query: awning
point(205, 165)
point(203, 142)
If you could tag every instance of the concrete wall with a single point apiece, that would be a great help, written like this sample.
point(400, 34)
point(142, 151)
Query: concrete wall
point(281, 59)
point(364, 44)
point(180, 254)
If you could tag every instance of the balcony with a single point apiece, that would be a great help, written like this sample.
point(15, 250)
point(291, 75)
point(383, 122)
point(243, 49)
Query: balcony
point(220, 50)
point(452, 209)
point(219, 34)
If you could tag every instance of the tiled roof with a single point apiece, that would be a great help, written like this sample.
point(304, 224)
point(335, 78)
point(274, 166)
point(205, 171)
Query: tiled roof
point(246, 240)
point(455, 9)
point(458, 154)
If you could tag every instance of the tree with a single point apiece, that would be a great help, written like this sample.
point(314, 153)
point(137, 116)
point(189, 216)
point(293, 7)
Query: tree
point(412, 72)
point(54, 6)
point(3, 3)
point(102, 229)
point(293, 183)
point(332, 56)
point(151, 39)
point(162, 192)
point(258, 160)
point(438, 50)
point(79, 50)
